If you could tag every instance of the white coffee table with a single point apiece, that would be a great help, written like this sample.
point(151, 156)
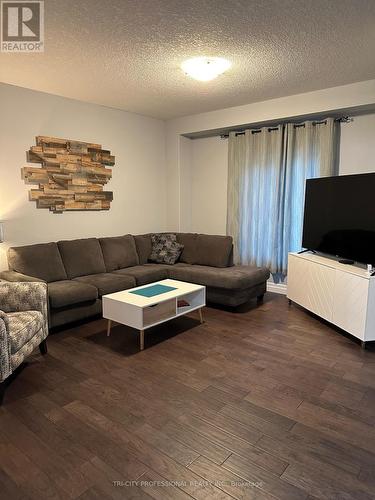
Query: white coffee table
point(142, 312)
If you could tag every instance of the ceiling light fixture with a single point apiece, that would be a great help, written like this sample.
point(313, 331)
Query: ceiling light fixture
point(205, 68)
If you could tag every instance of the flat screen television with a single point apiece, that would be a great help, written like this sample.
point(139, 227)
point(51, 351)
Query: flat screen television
point(339, 217)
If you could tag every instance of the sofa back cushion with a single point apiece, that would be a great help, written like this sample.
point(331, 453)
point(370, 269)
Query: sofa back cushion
point(144, 247)
point(189, 253)
point(212, 250)
point(82, 257)
point(119, 252)
point(41, 261)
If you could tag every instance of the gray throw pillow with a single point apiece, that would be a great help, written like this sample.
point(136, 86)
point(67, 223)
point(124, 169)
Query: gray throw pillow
point(165, 249)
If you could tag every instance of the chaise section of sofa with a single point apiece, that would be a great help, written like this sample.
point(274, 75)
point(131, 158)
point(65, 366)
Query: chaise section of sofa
point(79, 272)
point(229, 286)
point(208, 260)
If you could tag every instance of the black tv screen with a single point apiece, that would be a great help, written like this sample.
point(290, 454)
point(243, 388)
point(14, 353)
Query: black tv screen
point(339, 217)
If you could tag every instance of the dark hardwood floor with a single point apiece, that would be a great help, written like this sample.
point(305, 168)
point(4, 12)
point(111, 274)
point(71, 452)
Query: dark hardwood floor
point(262, 404)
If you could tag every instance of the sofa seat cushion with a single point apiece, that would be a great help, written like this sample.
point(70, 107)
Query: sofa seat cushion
point(82, 257)
point(41, 261)
point(170, 266)
point(69, 292)
point(235, 277)
point(148, 273)
point(119, 252)
point(22, 328)
point(108, 282)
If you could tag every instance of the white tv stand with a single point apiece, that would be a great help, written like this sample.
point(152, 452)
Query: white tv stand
point(341, 294)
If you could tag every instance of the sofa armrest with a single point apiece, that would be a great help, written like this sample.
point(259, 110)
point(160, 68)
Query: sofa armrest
point(14, 276)
point(25, 296)
point(5, 366)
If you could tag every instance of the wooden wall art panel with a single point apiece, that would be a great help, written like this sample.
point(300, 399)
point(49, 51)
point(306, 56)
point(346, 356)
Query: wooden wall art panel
point(72, 175)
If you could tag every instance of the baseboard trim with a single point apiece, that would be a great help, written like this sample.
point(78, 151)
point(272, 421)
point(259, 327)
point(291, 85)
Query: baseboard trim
point(276, 288)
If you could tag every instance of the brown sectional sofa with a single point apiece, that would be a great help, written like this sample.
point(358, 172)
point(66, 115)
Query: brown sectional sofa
point(79, 272)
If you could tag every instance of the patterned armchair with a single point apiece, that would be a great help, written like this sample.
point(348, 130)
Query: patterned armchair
point(23, 324)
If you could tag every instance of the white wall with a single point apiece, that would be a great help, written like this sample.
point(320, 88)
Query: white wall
point(357, 149)
point(209, 170)
point(321, 101)
point(185, 182)
point(209, 167)
point(139, 175)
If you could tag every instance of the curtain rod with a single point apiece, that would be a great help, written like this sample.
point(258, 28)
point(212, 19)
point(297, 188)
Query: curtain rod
point(343, 119)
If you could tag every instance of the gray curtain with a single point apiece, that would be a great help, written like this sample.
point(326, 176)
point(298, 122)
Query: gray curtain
point(267, 170)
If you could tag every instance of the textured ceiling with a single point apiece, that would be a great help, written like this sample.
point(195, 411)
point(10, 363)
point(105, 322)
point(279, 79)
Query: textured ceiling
point(127, 53)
